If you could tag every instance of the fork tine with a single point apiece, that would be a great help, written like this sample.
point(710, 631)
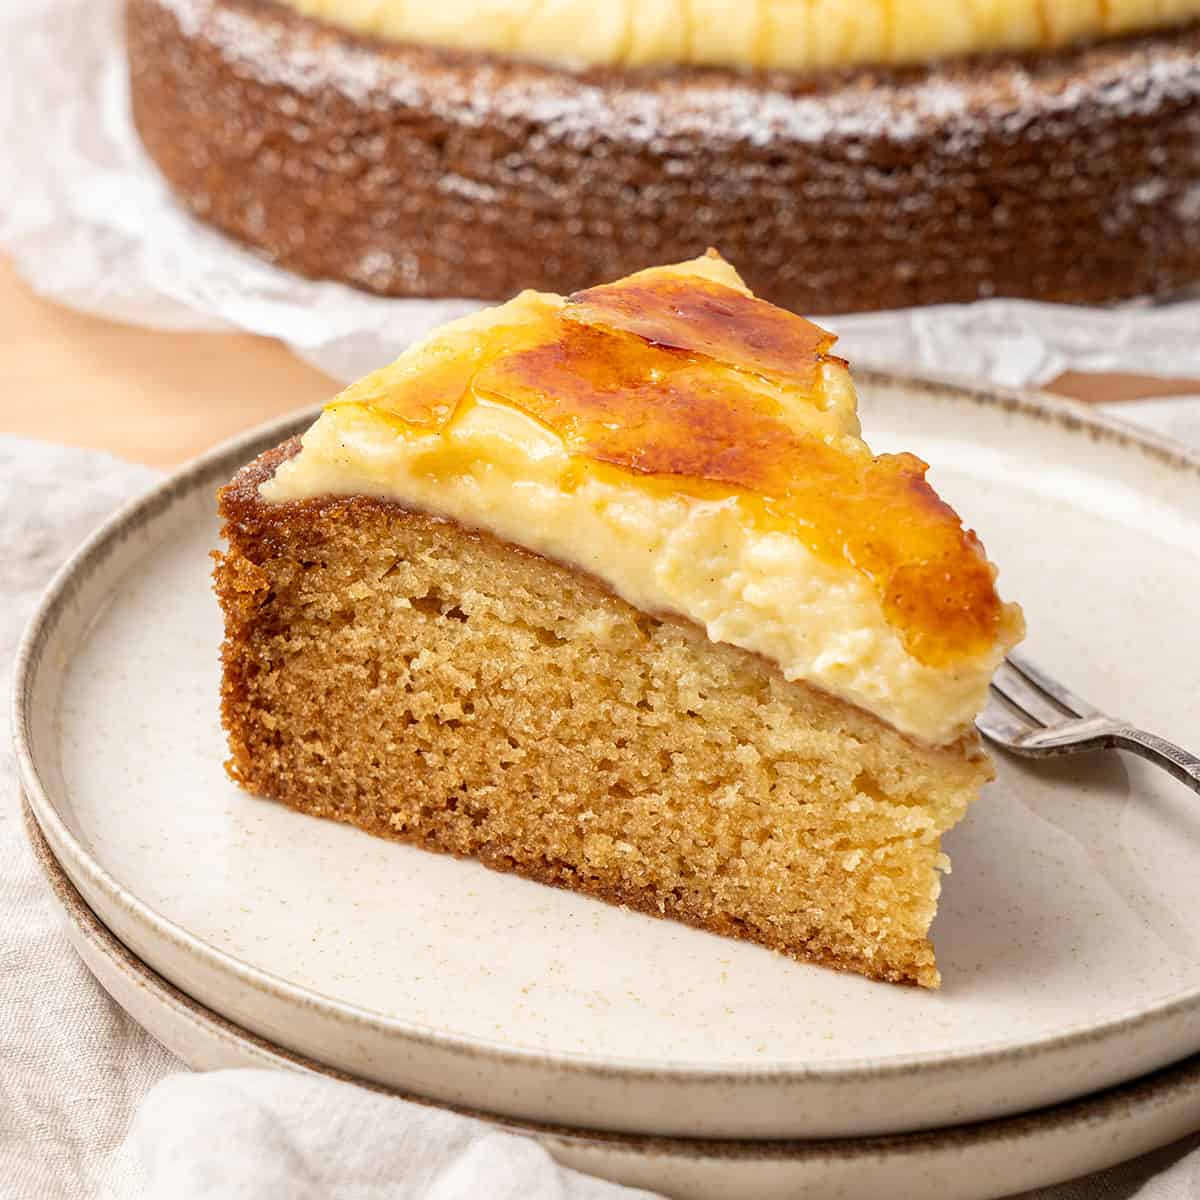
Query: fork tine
point(1023, 694)
point(1000, 723)
point(1064, 698)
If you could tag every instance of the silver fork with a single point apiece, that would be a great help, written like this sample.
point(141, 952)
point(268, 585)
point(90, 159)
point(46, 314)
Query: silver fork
point(1031, 714)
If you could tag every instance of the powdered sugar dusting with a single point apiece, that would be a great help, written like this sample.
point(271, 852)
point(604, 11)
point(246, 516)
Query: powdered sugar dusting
point(1187, 207)
point(469, 189)
point(638, 109)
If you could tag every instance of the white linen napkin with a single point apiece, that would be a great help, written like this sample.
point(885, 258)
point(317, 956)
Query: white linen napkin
point(91, 1106)
point(266, 1134)
point(73, 1066)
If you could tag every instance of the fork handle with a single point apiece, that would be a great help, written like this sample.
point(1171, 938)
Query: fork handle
point(1184, 766)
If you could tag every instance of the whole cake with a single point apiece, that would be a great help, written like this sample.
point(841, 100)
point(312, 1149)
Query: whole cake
point(608, 591)
point(850, 155)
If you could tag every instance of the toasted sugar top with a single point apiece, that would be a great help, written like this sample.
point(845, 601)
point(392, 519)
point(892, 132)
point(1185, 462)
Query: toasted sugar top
point(680, 380)
point(792, 35)
point(697, 314)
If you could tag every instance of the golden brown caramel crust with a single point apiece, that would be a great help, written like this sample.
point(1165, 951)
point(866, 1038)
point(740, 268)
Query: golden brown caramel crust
point(687, 312)
point(615, 399)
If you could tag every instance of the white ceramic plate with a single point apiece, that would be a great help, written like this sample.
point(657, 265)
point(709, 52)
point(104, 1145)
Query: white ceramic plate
point(992, 1158)
point(1067, 935)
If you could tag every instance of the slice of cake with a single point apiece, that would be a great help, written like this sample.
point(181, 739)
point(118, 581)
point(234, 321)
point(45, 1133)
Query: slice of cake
point(608, 591)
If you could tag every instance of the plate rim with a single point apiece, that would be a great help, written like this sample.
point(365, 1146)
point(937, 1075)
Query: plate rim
point(1073, 416)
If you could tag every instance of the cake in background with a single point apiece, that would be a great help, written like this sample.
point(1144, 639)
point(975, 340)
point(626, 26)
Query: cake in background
point(609, 592)
point(848, 154)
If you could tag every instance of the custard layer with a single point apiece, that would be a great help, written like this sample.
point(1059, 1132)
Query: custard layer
point(790, 35)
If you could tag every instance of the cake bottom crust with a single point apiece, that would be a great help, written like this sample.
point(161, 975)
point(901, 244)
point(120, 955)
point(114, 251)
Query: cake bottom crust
point(503, 858)
point(432, 685)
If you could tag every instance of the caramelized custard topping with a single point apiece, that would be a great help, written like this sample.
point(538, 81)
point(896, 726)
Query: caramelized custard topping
point(682, 312)
point(697, 389)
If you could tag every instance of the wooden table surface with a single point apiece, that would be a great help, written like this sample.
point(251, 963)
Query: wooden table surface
point(157, 398)
point(160, 398)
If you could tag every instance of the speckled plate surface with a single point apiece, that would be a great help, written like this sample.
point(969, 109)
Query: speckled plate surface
point(992, 1158)
point(1066, 936)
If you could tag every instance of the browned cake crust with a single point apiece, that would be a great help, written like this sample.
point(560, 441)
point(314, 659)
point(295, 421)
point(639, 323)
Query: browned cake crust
point(411, 171)
point(369, 677)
